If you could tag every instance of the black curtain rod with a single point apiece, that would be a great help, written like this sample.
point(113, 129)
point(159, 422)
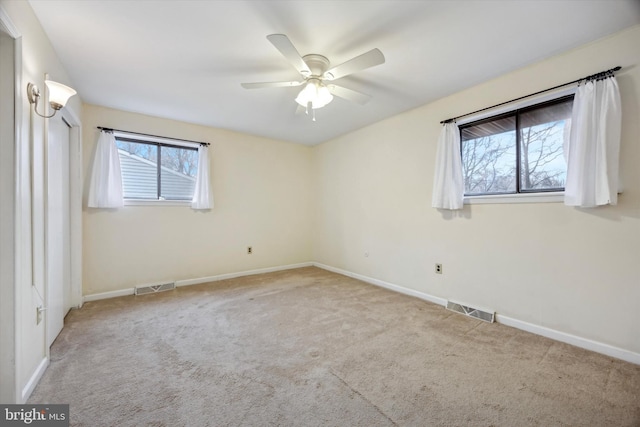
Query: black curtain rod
point(598, 76)
point(153, 136)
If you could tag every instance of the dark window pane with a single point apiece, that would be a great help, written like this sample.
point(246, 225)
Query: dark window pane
point(542, 134)
point(489, 156)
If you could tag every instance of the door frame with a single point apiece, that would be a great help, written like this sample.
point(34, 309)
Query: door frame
point(11, 274)
point(75, 204)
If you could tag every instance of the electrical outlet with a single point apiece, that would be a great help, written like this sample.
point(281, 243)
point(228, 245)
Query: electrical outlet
point(249, 250)
point(439, 268)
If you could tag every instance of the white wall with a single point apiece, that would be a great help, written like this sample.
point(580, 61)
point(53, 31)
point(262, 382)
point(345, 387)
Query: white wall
point(573, 271)
point(36, 57)
point(262, 199)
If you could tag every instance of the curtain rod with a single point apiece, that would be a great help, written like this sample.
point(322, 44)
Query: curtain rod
point(599, 76)
point(153, 136)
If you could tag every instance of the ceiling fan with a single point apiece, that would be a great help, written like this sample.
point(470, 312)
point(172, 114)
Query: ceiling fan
point(316, 75)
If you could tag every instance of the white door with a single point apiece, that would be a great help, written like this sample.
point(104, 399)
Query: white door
point(58, 227)
point(8, 285)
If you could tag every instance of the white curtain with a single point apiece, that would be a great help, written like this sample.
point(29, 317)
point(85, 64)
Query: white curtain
point(448, 183)
point(202, 197)
point(594, 145)
point(105, 190)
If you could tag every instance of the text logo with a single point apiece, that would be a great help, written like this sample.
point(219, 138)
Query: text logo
point(34, 415)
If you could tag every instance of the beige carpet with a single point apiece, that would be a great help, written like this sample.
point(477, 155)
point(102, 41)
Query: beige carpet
point(307, 347)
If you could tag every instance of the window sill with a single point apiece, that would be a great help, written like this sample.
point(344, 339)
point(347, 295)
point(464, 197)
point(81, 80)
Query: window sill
point(145, 202)
point(551, 197)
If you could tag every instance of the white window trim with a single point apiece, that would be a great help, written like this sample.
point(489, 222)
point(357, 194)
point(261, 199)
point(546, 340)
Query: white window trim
point(149, 202)
point(485, 199)
point(541, 197)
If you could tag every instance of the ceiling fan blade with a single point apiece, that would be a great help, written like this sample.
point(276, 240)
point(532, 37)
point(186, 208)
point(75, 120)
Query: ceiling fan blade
point(284, 45)
point(260, 85)
point(349, 94)
point(366, 60)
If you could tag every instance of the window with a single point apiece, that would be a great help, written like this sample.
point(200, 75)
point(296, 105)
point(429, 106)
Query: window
point(157, 171)
point(517, 152)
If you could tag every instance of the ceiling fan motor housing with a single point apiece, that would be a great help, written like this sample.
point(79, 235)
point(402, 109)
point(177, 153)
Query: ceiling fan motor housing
point(318, 64)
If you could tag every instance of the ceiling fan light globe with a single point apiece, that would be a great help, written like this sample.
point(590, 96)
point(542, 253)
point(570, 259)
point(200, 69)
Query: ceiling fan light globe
point(314, 93)
point(308, 94)
point(323, 98)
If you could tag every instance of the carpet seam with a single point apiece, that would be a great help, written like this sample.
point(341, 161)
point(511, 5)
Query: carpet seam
point(363, 397)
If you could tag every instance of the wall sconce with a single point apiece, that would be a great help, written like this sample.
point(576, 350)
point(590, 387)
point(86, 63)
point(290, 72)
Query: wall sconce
point(59, 94)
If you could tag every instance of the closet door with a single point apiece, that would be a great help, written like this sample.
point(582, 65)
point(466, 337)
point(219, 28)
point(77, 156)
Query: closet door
point(58, 227)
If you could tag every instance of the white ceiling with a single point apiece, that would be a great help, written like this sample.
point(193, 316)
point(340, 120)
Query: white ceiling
point(185, 60)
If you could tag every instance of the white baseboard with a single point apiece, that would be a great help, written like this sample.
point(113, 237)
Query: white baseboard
point(33, 381)
point(598, 347)
point(383, 284)
point(110, 294)
point(196, 281)
point(226, 276)
point(595, 346)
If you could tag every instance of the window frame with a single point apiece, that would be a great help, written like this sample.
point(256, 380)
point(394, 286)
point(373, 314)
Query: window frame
point(524, 196)
point(157, 142)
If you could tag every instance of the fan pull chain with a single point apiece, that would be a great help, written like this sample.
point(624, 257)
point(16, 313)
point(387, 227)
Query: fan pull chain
point(313, 112)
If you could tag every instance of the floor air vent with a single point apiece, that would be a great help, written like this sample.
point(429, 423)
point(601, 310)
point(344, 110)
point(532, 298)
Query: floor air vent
point(471, 312)
point(151, 289)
